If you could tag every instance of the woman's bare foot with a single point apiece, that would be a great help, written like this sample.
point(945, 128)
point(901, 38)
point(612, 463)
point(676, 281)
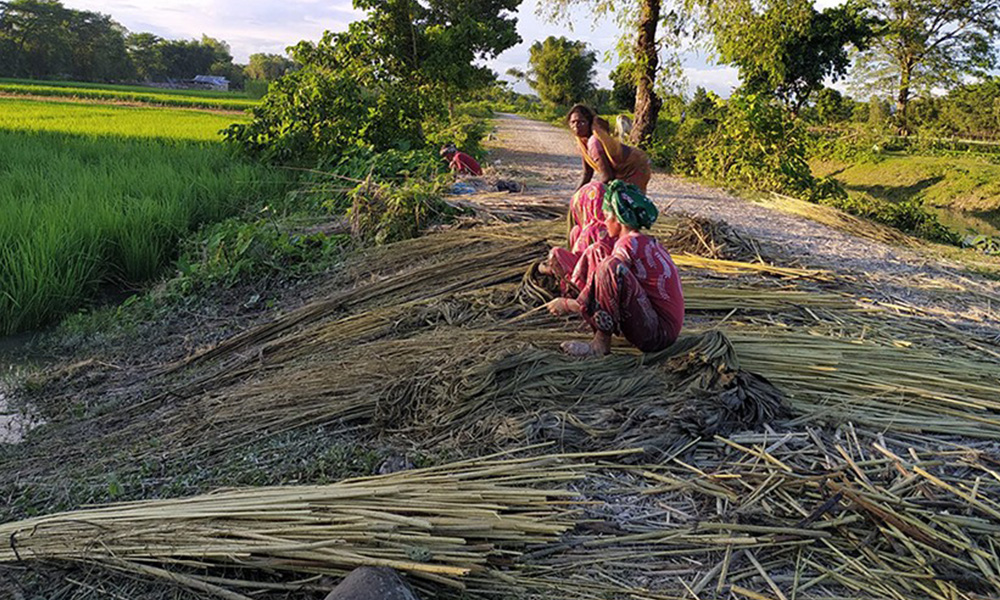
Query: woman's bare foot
point(577, 348)
point(599, 346)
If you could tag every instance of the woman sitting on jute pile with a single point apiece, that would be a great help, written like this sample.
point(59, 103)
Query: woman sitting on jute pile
point(633, 289)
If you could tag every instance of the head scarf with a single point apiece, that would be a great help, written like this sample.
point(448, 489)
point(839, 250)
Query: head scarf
point(629, 205)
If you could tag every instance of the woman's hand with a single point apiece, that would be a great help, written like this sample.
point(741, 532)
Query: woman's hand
point(563, 306)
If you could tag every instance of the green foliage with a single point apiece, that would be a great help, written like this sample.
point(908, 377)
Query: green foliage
point(80, 211)
point(237, 249)
point(268, 67)
point(318, 112)
point(41, 38)
point(987, 244)
point(850, 144)
point(832, 107)
point(972, 110)
point(464, 130)
point(757, 147)
point(44, 39)
point(908, 215)
point(703, 103)
point(623, 91)
point(385, 213)
point(787, 47)
point(562, 70)
point(375, 84)
point(923, 45)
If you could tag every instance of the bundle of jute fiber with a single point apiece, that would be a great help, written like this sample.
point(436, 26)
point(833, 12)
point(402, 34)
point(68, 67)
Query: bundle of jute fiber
point(525, 394)
point(489, 390)
point(449, 525)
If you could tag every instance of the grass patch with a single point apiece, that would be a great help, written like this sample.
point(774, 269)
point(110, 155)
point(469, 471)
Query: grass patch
point(96, 195)
point(963, 191)
point(125, 93)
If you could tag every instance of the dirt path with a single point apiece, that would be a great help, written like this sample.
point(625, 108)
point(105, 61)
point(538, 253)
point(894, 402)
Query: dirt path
point(546, 156)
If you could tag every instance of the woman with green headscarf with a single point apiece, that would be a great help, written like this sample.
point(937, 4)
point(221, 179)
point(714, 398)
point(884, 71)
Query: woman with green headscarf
point(636, 291)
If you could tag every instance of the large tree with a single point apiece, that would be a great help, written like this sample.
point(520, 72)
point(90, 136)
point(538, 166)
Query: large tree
point(42, 38)
point(34, 39)
point(623, 85)
point(268, 67)
point(649, 29)
point(786, 47)
point(927, 44)
point(562, 70)
point(144, 50)
point(439, 44)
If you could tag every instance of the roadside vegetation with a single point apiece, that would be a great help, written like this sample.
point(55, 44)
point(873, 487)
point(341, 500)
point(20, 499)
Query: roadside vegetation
point(782, 131)
point(96, 196)
point(135, 94)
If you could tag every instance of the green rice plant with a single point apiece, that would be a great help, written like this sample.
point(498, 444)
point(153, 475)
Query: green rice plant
point(123, 121)
point(123, 93)
point(102, 195)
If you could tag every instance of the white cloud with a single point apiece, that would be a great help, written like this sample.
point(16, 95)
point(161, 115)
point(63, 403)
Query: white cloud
point(721, 80)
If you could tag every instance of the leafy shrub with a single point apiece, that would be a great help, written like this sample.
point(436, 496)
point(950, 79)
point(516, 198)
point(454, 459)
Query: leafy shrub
point(909, 216)
point(465, 131)
point(757, 147)
point(235, 249)
point(316, 112)
point(850, 144)
point(384, 213)
point(674, 145)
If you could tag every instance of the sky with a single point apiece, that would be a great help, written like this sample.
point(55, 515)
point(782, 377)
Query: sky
point(251, 26)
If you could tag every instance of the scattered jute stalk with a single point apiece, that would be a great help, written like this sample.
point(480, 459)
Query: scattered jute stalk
point(441, 524)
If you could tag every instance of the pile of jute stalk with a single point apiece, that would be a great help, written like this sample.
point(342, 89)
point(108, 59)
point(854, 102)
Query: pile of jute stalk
point(795, 513)
point(442, 525)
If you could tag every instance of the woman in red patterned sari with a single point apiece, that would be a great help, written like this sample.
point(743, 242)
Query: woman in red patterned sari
point(636, 290)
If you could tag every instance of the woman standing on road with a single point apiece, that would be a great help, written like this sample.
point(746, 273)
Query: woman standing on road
point(603, 155)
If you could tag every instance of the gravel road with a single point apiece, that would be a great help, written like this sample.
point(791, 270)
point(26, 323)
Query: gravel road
point(546, 157)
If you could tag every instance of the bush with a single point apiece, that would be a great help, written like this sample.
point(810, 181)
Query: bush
point(757, 147)
point(315, 113)
point(850, 144)
point(388, 213)
point(674, 145)
point(465, 131)
point(909, 216)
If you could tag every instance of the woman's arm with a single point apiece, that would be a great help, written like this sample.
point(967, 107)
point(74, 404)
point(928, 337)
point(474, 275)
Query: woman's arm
point(588, 174)
point(605, 170)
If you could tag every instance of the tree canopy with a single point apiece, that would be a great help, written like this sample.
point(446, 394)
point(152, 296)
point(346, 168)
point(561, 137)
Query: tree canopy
point(268, 67)
point(373, 85)
point(787, 47)
point(561, 70)
point(39, 38)
point(44, 39)
point(924, 45)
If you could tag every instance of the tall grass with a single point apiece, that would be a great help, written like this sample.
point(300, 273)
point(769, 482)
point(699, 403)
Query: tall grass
point(79, 208)
point(126, 93)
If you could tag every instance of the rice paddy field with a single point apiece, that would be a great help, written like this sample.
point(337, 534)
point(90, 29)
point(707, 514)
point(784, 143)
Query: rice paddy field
point(93, 195)
point(235, 101)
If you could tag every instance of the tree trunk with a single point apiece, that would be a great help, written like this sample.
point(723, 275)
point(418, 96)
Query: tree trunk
point(903, 98)
point(647, 103)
